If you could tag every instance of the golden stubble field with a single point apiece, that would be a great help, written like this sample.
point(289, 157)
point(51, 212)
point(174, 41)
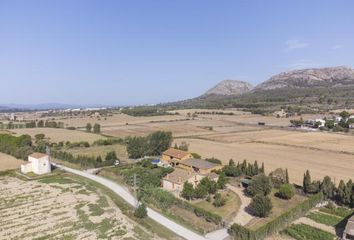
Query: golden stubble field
point(59, 134)
point(297, 159)
point(8, 162)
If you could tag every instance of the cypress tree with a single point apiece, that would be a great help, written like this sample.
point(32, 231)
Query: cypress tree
point(262, 168)
point(287, 176)
point(307, 181)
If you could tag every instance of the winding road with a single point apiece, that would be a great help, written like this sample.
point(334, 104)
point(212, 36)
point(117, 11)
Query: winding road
point(129, 198)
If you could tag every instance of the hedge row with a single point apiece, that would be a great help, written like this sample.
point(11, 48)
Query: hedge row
point(200, 212)
point(165, 200)
point(277, 224)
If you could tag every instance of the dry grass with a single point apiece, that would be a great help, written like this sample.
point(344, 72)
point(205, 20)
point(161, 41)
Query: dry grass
point(8, 162)
point(59, 134)
point(228, 211)
point(297, 160)
point(120, 150)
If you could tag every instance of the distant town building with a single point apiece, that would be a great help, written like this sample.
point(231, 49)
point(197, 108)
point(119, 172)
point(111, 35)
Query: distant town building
point(39, 163)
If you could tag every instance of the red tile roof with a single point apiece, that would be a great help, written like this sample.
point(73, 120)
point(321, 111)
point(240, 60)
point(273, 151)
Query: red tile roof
point(175, 153)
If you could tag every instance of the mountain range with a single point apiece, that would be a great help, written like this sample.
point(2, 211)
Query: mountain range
point(306, 90)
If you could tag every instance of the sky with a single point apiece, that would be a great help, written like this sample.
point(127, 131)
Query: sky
point(126, 52)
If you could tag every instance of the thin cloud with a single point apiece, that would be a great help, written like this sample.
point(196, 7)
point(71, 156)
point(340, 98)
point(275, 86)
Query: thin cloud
point(337, 46)
point(301, 64)
point(295, 44)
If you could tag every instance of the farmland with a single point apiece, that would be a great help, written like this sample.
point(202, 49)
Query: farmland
point(58, 134)
point(8, 162)
point(59, 207)
point(234, 134)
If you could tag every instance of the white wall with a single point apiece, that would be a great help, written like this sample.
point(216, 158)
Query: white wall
point(40, 166)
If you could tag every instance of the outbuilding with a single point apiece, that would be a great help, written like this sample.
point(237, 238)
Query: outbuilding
point(38, 163)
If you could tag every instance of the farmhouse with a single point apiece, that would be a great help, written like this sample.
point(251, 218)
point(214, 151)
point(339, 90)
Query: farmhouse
point(174, 181)
point(198, 166)
point(349, 229)
point(38, 163)
point(172, 156)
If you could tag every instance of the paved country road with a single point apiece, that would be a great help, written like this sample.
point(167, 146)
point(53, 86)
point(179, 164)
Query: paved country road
point(123, 193)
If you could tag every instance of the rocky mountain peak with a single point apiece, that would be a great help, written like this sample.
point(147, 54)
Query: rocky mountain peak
point(230, 87)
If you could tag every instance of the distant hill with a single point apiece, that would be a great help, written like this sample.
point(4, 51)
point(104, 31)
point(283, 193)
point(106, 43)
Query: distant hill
point(307, 90)
point(309, 78)
point(229, 87)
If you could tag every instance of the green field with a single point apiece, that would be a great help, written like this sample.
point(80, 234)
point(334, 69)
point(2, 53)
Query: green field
point(306, 232)
point(329, 220)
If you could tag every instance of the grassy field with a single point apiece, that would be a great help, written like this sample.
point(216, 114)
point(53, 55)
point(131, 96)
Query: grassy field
point(59, 134)
point(8, 162)
point(327, 219)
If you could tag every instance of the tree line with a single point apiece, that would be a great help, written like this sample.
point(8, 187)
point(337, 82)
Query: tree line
point(19, 147)
point(343, 194)
point(151, 145)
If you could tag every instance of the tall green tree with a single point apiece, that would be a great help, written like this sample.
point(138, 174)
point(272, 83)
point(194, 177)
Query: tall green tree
point(327, 187)
point(287, 176)
point(261, 205)
point(307, 181)
point(88, 127)
point(40, 123)
point(222, 181)
point(158, 142)
point(261, 184)
point(187, 191)
point(97, 128)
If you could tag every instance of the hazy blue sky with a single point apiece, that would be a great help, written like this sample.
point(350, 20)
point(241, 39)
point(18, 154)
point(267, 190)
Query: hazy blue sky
point(134, 52)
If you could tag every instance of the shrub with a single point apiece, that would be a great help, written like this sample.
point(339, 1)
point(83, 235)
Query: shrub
point(286, 191)
point(261, 205)
point(140, 211)
point(219, 200)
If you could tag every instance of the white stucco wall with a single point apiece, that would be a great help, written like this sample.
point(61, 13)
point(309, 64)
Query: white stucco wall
point(38, 166)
